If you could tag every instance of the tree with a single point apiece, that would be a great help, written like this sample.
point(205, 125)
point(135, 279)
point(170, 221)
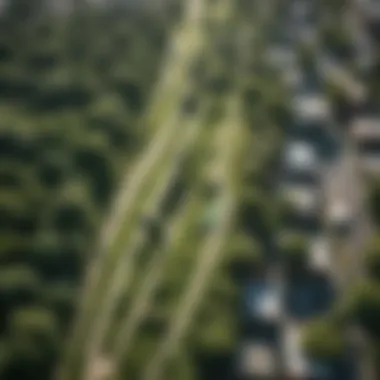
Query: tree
point(24, 10)
point(340, 102)
point(143, 349)
point(338, 41)
point(65, 134)
point(33, 343)
point(61, 298)
point(244, 255)
point(182, 366)
point(254, 213)
point(373, 258)
point(374, 202)
point(363, 306)
point(294, 249)
point(19, 285)
point(323, 341)
point(306, 57)
point(108, 115)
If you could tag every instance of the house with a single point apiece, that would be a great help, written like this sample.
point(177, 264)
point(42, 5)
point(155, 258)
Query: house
point(320, 255)
point(301, 164)
point(263, 301)
point(311, 107)
point(257, 361)
point(295, 363)
point(303, 199)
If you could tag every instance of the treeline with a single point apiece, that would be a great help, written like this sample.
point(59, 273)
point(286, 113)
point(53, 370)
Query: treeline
point(72, 90)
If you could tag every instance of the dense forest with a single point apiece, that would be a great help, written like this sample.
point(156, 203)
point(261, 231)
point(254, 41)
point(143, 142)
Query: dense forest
point(72, 90)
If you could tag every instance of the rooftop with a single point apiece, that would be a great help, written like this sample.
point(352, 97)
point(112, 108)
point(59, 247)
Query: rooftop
point(264, 300)
point(320, 253)
point(366, 127)
point(311, 106)
point(295, 362)
point(257, 359)
point(301, 155)
point(302, 197)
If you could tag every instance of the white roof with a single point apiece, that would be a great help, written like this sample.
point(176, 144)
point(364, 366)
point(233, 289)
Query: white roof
point(339, 211)
point(295, 361)
point(257, 359)
point(269, 305)
point(320, 254)
point(303, 197)
point(265, 300)
point(300, 155)
point(311, 106)
point(366, 127)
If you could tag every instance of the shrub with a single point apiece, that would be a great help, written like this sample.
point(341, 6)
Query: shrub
point(373, 258)
point(324, 341)
point(293, 248)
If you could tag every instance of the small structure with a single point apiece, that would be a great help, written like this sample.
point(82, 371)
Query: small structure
point(320, 258)
point(258, 361)
point(296, 365)
point(311, 107)
point(367, 127)
point(282, 57)
point(303, 199)
point(264, 301)
point(340, 216)
point(102, 368)
point(301, 156)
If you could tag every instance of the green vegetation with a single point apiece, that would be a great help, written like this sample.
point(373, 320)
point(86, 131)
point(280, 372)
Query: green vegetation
point(70, 103)
point(294, 249)
point(323, 341)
